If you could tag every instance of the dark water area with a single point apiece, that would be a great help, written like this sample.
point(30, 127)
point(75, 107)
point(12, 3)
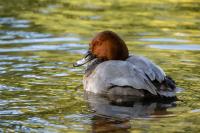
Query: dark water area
point(40, 91)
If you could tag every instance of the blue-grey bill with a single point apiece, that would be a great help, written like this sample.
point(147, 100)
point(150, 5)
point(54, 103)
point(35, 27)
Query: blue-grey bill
point(85, 60)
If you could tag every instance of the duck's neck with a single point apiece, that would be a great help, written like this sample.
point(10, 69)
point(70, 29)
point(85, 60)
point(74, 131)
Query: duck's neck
point(92, 65)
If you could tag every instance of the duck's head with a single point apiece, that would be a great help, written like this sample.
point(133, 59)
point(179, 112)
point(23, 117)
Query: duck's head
point(106, 45)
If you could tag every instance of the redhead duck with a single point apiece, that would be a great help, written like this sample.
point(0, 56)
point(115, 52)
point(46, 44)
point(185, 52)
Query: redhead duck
point(111, 70)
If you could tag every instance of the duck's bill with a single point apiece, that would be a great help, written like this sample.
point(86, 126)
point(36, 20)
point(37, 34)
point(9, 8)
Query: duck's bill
point(85, 60)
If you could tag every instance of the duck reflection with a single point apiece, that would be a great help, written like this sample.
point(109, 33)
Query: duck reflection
point(102, 124)
point(113, 113)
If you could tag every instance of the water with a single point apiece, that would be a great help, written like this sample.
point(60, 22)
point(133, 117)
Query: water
point(40, 91)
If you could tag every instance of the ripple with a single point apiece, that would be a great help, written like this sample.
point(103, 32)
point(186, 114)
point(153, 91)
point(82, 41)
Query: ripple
point(21, 69)
point(17, 125)
point(78, 51)
point(34, 76)
point(2, 72)
point(195, 111)
point(14, 22)
point(61, 74)
point(162, 40)
point(40, 40)
point(10, 112)
point(176, 47)
point(6, 37)
point(37, 120)
point(48, 67)
point(10, 20)
point(10, 88)
point(42, 122)
point(20, 26)
point(43, 47)
point(24, 65)
point(5, 58)
point(2, 68)
point(24, 34)
point(45, 83)
point(5, 63)
point(3, 102)
point(84, 118)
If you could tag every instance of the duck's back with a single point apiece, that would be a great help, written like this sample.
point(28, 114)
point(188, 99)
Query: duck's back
point(151, 70)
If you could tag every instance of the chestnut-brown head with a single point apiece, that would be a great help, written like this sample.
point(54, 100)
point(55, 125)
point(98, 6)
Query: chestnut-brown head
point(106, 45)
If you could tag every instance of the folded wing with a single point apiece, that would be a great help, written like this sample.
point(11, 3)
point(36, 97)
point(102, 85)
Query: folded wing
point(118, 73)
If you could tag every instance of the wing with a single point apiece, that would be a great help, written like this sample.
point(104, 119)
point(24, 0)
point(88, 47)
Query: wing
point(153, 71)
point(118, 73)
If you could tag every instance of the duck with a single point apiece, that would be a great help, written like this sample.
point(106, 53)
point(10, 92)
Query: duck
point(111, 70)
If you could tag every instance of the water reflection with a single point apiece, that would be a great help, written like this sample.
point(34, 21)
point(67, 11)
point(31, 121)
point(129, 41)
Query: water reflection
point(113, 113)
point(10, 88)
point(106, 125)
point(14, 23)
point(21, 34)
point(177, 47)
point(162, 40)
point(40, 40)
point(43, 47)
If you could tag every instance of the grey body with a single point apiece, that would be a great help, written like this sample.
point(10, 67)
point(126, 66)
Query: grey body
point(125, 77)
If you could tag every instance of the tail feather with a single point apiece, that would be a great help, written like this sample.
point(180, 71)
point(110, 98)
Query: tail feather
point(169, 82)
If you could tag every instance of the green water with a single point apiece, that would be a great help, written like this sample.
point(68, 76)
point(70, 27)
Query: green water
point(40, 91)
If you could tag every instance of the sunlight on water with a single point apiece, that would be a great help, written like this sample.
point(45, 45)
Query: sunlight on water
point(162, 40)
point(39, 40)
point(40, 91)
point(43, 47)
point(177, 47)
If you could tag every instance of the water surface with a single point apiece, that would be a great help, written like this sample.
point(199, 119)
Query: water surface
point(40, 91)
